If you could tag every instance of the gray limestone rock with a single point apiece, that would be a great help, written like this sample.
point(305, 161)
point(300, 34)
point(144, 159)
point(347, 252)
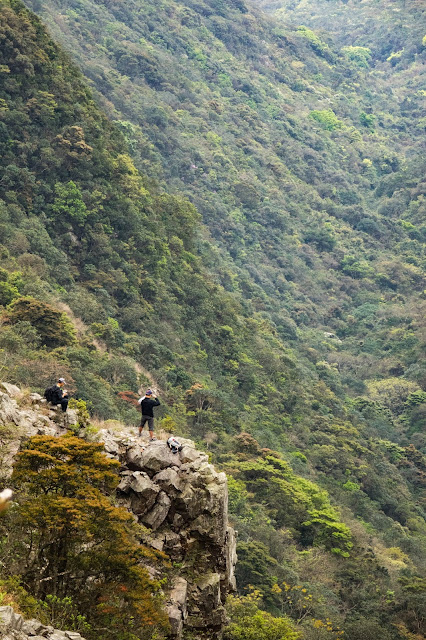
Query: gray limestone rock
point(71, 418)
point(111, 445)
point(8, 409)
point(10, 620)
point(156, 543)
point(205, 610)
point(169, 480)
point(35, 398)
point(134, 457)
point(176, 607)
point(158, 513)
point(158, 456)
point(228, 579)
point(11, 389)
point(46, 430)
point(73, 635)
point(125, 482)
point(143, 492)
point(189, 503)
point(172, 545)
point(189, 453)
point(175, 620)
point(33, 627)
point(179, 594)
point(207, 591)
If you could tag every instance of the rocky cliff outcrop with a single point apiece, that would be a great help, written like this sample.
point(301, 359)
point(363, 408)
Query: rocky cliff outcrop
point(14, 627)
point(183, 503)
point(180, 499)
point(23, 416)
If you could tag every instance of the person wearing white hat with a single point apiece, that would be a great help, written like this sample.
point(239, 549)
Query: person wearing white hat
point(148, 402)
point(57, 394)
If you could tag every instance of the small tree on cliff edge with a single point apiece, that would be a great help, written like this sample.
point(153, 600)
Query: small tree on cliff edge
point(78, 543)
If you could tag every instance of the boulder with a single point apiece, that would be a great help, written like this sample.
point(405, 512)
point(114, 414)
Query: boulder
point(8, 409)
point(175, 620)
point(143, 492)
point(111, 445)
point(134, 457)
point(46, 430)
point(169, 480)
point(156, 543)
point(35, 398)
point(126, 479)
point(179, 593)
point(71, 418)
point(10, 620)
point(11, 389)
point(158, 513)
point(73, 635)
point(188, 454)
point(33, 628)
point(158, 456)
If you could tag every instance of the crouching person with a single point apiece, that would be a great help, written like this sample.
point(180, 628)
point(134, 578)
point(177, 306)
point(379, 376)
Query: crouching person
point(57, 395)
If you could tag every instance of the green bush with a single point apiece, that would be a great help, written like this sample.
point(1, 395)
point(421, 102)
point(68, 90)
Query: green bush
point(54, 327)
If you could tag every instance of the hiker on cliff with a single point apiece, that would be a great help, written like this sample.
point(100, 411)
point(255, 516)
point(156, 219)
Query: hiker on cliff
point(57, 394)
point(148, 402)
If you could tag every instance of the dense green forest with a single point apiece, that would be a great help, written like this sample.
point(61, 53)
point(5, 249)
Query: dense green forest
point(304, 158)
point(264, 271)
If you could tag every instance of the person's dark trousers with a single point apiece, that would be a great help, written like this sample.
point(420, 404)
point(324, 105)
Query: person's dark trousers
point(64, 404)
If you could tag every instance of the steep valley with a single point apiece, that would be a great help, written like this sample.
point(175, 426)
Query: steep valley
point(225, 201)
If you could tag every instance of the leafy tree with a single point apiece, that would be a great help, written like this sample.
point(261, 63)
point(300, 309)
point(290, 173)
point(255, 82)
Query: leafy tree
point(361, 56)
point(82, 546)
point(254, 568)
point(248, 622)
point(326, 118)
point(53, 326)
point(68, 205)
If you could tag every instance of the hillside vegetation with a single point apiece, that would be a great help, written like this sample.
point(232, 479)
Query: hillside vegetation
point(303, 156)
point(281, 318)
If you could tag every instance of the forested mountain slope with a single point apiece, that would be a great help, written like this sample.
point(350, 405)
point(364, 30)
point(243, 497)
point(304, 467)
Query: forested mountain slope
point(294, 313)
point(390, 28)
point(305, 164)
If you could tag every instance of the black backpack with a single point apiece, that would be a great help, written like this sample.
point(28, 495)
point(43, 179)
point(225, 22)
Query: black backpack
point(48, 394)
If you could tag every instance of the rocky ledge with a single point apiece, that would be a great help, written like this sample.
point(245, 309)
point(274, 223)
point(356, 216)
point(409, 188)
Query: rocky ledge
point(14, 627)
point(183, 502)
point(23, 418)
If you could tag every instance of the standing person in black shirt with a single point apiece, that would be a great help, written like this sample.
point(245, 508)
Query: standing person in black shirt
point(148, 403)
